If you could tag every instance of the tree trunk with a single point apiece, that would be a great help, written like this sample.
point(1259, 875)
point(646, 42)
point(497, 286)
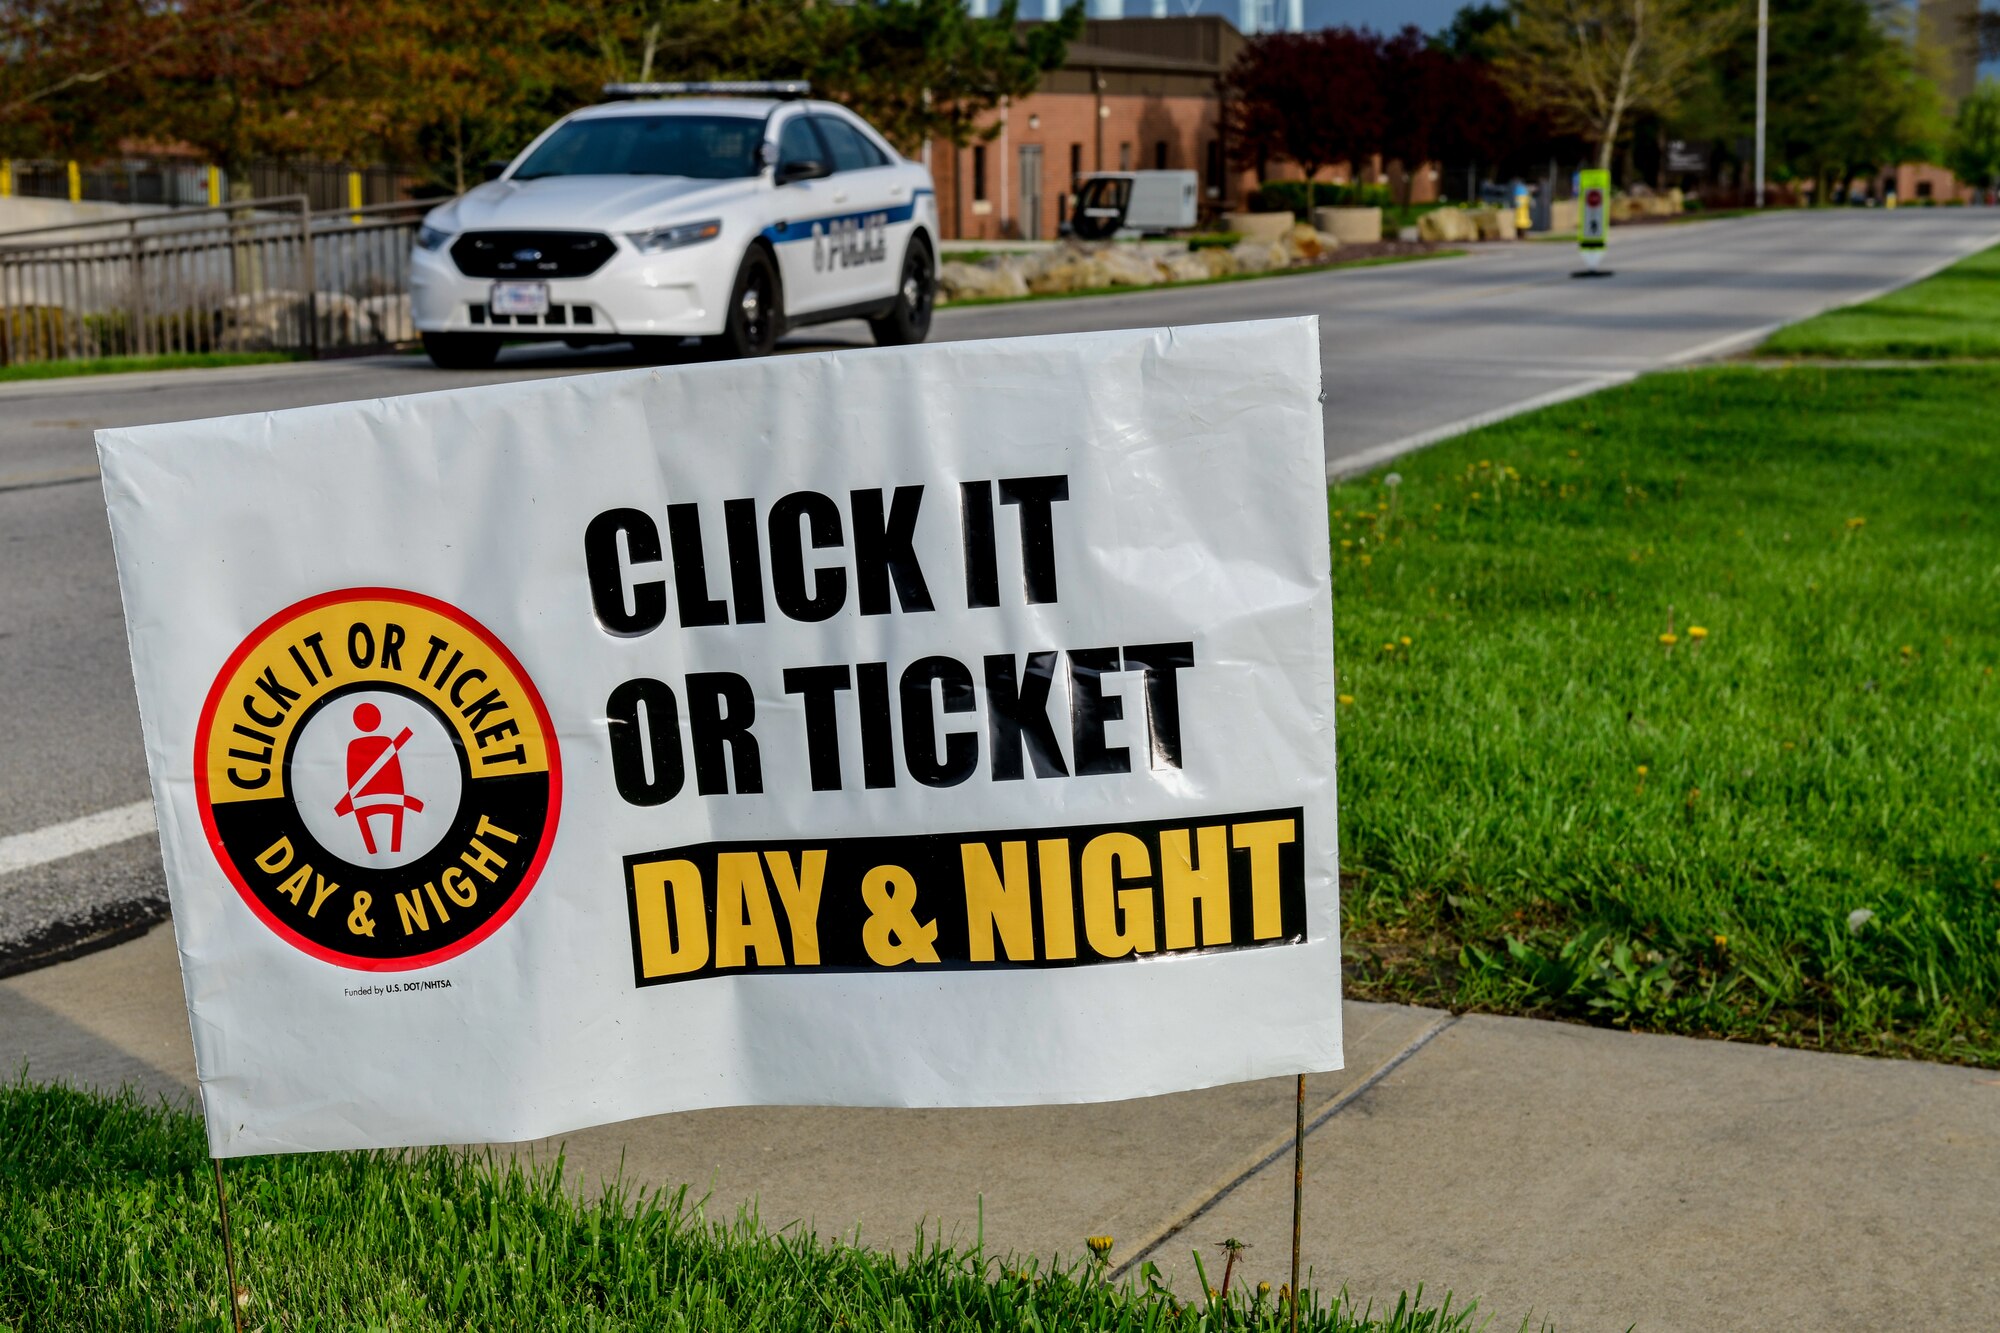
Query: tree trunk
point(1623, 92)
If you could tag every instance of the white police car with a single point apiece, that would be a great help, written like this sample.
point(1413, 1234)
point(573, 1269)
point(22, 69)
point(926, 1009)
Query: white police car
point(732, 214)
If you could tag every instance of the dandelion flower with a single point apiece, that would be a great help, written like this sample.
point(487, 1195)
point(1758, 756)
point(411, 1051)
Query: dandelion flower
point(1393, 480)
point(1345, 698)
point(1722, 941)
point(1405, 641)
point(1388, 647)
point(1697, 632)
point(1856, 522)
point(1643, 770)
point(1475, 495)
point(1670, 638)
point(1366, 559)
point(1263, 1289)
point(1346, 542)
point(1099, 1246)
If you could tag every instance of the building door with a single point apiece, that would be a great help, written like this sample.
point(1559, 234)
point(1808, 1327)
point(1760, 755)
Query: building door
point(1031, 192)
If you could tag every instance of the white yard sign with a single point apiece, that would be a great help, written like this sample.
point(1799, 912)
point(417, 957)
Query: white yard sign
point(940, 726)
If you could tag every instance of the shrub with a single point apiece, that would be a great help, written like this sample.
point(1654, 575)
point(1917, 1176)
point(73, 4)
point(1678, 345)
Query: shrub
point(40, 333)
point(1214, 240)
point(1299, 198)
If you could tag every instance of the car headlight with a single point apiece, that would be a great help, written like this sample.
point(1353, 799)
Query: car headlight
point(672, 238)
point(430, 238)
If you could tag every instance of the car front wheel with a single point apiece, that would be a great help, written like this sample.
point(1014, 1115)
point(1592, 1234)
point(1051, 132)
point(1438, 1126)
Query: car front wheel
point(756, 311)
point(909, 319)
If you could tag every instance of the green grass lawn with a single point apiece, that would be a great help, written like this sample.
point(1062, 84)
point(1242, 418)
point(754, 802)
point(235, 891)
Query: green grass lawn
point(107, 1221)
point(114, 365)
point(1953, 314)
point(1675, 708)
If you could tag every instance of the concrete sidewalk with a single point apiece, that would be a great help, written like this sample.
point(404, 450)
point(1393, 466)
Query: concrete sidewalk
point(1596, 1179)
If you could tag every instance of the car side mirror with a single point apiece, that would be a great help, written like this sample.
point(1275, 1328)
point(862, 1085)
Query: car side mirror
point(804, 169)
point(491, 170)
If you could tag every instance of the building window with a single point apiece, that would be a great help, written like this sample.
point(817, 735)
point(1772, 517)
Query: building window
point(1124, 157)
point(1160, 155)
point(979, 172)
point(1075, 164)
point(1215, 168)
point(1923, 189)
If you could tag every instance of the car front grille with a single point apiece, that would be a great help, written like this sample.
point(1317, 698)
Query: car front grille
point(558, 315)
point(531, 254)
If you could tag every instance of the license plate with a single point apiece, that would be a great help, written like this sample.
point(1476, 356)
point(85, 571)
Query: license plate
point(520, 298)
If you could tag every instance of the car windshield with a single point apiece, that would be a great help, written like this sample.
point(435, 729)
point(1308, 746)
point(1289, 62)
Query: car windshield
point(703, 147)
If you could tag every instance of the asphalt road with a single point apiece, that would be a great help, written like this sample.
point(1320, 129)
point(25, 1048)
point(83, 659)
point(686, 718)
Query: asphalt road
point(1410, 352)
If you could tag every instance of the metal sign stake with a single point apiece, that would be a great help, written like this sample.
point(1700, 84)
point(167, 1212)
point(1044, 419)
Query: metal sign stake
point(1298, 1192)
point(228, 1250)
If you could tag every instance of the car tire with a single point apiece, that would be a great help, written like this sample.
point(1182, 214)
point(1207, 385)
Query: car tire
point(461, 351)
point(756, 313)
point(909, 319)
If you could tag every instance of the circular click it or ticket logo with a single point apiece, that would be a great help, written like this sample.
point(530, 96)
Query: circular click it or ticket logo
point(378, 778)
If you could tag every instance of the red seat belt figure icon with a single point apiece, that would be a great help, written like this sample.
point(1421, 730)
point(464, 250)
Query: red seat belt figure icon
point(375, 780)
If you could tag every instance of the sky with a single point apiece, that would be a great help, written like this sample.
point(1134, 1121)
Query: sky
point(1390, 15)
point(1381, 15)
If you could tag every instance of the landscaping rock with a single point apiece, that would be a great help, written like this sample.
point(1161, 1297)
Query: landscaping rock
point(1219, 262)
point(341, 320)
point(1350, 226)
point(1264, 227)
point(1129, 266)
point(1191, 267)
point(261, 321)
point(1446, 225)
point(1302, 242)
point(1067, 270)
point(388, 317)
point(970, 282)
point(1259, 256)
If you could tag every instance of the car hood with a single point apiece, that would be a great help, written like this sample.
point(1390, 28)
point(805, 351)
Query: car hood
point(612, 203)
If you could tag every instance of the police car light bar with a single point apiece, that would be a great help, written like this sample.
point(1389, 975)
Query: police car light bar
point(784, 90)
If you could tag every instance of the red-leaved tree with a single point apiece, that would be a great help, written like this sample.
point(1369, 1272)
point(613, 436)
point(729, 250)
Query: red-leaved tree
point(1312, 99)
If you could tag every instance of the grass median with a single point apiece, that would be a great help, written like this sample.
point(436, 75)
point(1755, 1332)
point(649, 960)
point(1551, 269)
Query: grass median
point(1675, 708)
point(119, 365)
point(1954, 314)
point(107, 1220)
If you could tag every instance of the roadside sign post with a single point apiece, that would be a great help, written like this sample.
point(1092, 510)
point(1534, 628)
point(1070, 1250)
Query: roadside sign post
point(1593, 225)
point(841, 729)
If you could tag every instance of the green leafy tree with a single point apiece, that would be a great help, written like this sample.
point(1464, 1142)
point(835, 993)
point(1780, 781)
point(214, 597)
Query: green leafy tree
point(927, 69)
point(1849, 93)
point(1973, 153)
point(475, 80)
point(1593, 65)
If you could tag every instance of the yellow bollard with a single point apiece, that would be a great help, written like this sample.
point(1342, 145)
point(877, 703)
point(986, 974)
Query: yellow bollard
point(354, 196)
point(1889, 199)
point(214, 186)
point(6, 178)
point(75, 183)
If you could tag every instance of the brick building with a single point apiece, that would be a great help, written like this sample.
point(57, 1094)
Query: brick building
point(1132, 94)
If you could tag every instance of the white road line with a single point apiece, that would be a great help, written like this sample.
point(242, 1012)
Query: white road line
point(38, 847)
point(1349, 465)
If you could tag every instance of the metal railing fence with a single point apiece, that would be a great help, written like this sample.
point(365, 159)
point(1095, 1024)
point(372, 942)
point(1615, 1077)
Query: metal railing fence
point(187, 182)
point(268, 274)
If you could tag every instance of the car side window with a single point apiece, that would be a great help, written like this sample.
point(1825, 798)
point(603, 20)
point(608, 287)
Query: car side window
point(851, 152)
point(798, 143)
